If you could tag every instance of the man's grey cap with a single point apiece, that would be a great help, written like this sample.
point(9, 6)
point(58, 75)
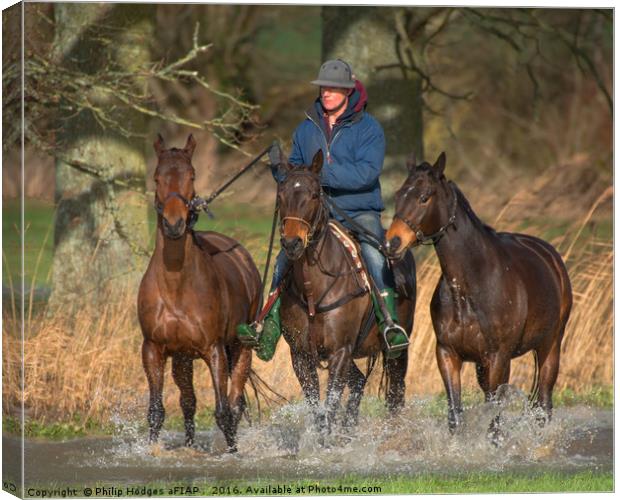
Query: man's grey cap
point(335, 73)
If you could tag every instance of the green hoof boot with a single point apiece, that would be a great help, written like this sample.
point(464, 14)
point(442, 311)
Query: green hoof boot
point(247, 334)
point(396, 340)
point(268, 339)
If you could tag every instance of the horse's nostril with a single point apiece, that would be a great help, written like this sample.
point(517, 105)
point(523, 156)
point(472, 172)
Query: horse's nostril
point(174, 229)
point(291, 244)
point(395, 243)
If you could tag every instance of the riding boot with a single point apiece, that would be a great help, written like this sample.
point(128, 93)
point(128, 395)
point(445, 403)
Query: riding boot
point(394, 335)
point(263, 336)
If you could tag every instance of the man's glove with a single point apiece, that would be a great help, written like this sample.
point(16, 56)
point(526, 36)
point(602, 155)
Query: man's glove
point(275, 155)
point(277, 162)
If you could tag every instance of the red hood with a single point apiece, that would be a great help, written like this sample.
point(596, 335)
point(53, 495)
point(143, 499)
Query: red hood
point(363, 99)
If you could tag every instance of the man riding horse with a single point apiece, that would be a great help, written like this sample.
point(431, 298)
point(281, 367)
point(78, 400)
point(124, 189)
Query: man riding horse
point(353, 146)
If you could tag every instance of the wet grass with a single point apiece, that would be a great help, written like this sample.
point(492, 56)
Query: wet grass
point(401, 484)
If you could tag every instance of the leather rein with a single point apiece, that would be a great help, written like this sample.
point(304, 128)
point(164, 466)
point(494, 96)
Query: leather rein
point(317, 229)
point(195, 206)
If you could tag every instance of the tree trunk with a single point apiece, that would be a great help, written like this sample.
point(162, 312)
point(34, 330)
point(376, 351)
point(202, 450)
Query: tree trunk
point(101, 227)
point(367, 38)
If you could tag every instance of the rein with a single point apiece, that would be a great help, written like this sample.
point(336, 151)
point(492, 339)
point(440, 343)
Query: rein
point(431, 239)
point(356, 228)
point(306, 298)
point(198, 204)
point(310, 238)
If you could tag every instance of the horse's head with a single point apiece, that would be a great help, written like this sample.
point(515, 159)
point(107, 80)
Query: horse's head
point(301, 205)
point(423, 206)
point(174, 186)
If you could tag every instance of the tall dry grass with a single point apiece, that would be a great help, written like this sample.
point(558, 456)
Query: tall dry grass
point(89, 364)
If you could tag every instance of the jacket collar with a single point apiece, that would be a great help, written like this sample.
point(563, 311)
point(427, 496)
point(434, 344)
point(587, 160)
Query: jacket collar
point(355, 108)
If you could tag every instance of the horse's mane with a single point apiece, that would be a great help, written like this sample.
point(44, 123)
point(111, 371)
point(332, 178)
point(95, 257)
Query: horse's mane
point(464, 203)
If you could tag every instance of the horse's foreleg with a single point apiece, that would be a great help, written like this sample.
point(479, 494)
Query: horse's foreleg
point(498, 373)
point(241, 364)
point(183, 374)
point(396, 370)
point(305, 370)
point(339, 366)
point(356, 383)
point(154, 362)
point(449, 364)
point(217, 360)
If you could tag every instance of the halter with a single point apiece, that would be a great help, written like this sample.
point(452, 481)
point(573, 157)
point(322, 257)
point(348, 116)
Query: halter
point(195, 205)
point(312, 227)
point(421, 238)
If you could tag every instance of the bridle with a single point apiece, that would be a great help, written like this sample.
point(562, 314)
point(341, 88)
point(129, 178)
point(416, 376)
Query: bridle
point(311, 236)
point(431, 239)
point(195, 205)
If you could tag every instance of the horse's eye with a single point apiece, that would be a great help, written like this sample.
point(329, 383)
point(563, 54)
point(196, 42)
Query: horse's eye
point(424, 198)
point(315, 196)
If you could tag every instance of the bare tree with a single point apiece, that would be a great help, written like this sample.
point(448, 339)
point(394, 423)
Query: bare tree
point(89, 96)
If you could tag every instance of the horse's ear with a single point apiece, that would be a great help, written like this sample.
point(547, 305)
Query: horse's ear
point(440, 164)
point(283, 169)
point(158, 145)
point(411, 162)
point(317, 162)
point(190, 145)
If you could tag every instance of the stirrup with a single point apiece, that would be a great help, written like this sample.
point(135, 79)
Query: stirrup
point(390, 349)
point(256, 328)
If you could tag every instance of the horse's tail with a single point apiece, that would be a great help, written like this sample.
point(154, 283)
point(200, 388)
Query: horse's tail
point(534, 389)
point(262, 390)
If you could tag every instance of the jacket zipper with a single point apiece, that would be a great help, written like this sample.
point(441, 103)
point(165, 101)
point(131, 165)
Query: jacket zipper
point(327, 144)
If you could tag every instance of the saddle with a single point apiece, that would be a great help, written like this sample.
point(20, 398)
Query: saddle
point(353, 247)
point(355, 267)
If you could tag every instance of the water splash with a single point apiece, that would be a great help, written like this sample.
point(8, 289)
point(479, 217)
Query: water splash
point(287, 443)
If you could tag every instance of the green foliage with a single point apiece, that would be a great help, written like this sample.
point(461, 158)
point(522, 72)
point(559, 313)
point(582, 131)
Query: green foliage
point(39, 239)
point(74, 428)
point(598, 396)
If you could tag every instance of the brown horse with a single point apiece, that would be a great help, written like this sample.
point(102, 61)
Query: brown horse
point(322, 272)
point(197, 287)
point(499, 296)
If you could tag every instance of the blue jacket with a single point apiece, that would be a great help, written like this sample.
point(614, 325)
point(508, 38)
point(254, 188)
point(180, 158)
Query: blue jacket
point(353, 154)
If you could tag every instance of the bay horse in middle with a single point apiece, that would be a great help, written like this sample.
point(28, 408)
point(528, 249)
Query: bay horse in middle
point(327, 308)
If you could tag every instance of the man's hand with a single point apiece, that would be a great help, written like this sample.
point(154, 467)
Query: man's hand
point(275, 155)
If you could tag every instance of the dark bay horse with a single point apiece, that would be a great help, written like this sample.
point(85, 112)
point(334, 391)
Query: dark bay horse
point(322, 272)
point(197, 287)
point(499, 296)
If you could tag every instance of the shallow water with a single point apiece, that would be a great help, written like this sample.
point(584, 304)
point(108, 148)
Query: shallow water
point(285, 446)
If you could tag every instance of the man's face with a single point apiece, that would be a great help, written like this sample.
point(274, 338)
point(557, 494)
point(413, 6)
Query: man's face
point(333, 97)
